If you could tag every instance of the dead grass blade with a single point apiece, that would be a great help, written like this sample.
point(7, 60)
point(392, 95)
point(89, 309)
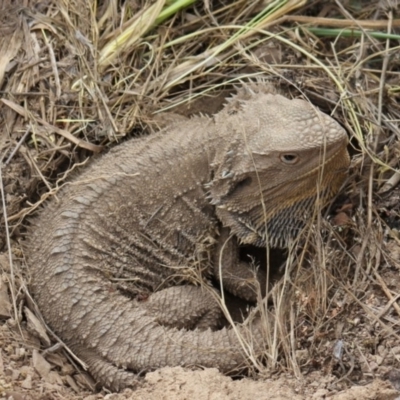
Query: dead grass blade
point(51, 128)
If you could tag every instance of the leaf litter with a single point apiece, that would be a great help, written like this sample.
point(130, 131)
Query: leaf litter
point(77, 77)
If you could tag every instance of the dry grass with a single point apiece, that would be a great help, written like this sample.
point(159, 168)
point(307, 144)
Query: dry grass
point(77, 76)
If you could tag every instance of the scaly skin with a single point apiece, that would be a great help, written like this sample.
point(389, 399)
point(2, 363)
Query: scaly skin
point(114, 261)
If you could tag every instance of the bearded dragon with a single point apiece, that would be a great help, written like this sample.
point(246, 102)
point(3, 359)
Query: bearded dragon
point(114, 262)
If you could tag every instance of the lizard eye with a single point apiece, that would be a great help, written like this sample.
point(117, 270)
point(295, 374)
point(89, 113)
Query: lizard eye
point(289, 158)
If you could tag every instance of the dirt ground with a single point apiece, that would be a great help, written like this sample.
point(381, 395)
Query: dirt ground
point(67, 95)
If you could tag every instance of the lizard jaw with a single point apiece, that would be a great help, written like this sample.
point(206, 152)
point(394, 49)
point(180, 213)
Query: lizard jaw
point(277, 223)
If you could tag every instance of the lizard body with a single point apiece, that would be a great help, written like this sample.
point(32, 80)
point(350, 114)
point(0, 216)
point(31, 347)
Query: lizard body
point(113, 261)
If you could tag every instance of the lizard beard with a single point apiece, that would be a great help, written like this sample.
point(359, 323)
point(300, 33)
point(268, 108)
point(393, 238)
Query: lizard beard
point(280, 215)
point(277, 230)
point(282, 226)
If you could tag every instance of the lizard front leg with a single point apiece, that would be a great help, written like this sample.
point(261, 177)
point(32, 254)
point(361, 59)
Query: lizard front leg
point(238, 277)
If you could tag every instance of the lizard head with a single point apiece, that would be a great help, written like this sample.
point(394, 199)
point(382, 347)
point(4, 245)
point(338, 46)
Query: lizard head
point(280, 161)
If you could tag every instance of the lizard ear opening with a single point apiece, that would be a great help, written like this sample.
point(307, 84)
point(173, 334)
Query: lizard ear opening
point(224, 190)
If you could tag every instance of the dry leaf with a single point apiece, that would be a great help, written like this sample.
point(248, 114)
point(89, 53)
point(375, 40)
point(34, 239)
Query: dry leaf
point(27, 382)
point(41, 365)
point(16, 395)
point(55, 359)
point(36, 327)
point(71, 382)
